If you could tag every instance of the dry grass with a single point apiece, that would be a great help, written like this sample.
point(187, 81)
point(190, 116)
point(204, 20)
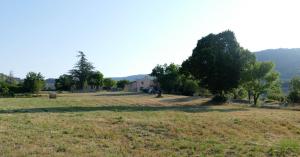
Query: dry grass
point(106, 124)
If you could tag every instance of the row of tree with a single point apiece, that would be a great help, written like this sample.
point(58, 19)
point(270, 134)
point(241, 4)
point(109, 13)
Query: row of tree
point(83, 77)
point(33, 83)
point(220, 65)
point(171, 80)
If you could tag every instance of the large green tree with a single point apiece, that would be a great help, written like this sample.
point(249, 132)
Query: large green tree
point(172, 79)
point(95, 79)
point(121, 84)
point(64, 83)
point(217, 62)
point(109, 83)
point(34, 82)
point(259, 78)
point(167, 76)
point(82, 70)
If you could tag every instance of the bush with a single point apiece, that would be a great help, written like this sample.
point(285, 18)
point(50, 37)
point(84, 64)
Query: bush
point(190, 87)
point(294, 87)
point(238, 93)
point(4, 91)
point(204, 92)
point(294, 96)
point(219, 98)
point(277, 97)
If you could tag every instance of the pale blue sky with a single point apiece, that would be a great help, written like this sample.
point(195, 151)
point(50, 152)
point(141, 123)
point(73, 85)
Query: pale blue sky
point(126, 37)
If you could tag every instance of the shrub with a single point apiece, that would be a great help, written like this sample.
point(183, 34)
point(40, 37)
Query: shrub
point(294, 87)
point(4, 91)
point(190, 87)
point(294, 96)
point(219, 98)
point(278, 97)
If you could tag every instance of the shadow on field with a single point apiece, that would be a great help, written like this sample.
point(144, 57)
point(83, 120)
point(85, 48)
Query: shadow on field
point(119, 94)
point(191, 109)
point(185, 99)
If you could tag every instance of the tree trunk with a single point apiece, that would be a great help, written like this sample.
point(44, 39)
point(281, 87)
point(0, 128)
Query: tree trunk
point(255, 97)
point(249, 96)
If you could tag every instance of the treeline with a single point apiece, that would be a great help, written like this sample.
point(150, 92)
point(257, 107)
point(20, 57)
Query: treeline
point(33, 83)
point(84, 77)
point(221, 66)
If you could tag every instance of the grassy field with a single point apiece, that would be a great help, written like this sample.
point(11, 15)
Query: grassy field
point(114, 124)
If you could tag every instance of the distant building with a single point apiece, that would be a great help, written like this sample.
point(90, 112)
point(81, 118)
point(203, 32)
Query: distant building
point(140, 85)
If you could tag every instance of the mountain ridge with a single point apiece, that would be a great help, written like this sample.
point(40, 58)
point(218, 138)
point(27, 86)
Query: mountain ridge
point(286, 60)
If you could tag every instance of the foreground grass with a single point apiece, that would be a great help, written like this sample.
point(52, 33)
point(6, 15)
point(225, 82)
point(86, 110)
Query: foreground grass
point(141, 125)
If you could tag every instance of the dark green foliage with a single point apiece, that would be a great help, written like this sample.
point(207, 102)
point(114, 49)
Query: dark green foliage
point(4, 91)
point(64, 83)
point(217, 62)
point(34, 82)
point(121, 84)
point(239, 93)
point(190, 87)
point(275, 92)
point(108, 83)
point(259, 78)
point(81, 71)
point(95, 79)
point(9, 90)
point(294, 87)
point(171, 79)
point(219, 98)
point(81, 77)
point(168, 77)
point(294, 96)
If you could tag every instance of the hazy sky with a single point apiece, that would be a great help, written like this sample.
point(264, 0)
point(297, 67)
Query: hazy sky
point(125, 37)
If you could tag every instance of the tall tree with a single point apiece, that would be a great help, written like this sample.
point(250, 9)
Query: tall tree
point(217, 62)
point(34, 82)
point(260, 78)
point(82, 70)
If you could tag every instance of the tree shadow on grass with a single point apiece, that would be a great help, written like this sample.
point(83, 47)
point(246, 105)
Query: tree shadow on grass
point(190, 109)
point(184, 99)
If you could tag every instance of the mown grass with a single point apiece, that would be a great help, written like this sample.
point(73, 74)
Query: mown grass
point(106, 124)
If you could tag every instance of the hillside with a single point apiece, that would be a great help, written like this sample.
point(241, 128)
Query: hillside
point(287, 61)
point(130, 78)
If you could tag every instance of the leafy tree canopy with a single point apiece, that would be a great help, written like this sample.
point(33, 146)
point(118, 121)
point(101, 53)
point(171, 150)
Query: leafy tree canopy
point(121, 84)
point(64, 83)
point(82, 70)
point(260, 78)
point(217, 62)
point(95, 79)
point(34, 82)
point(109, 83)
